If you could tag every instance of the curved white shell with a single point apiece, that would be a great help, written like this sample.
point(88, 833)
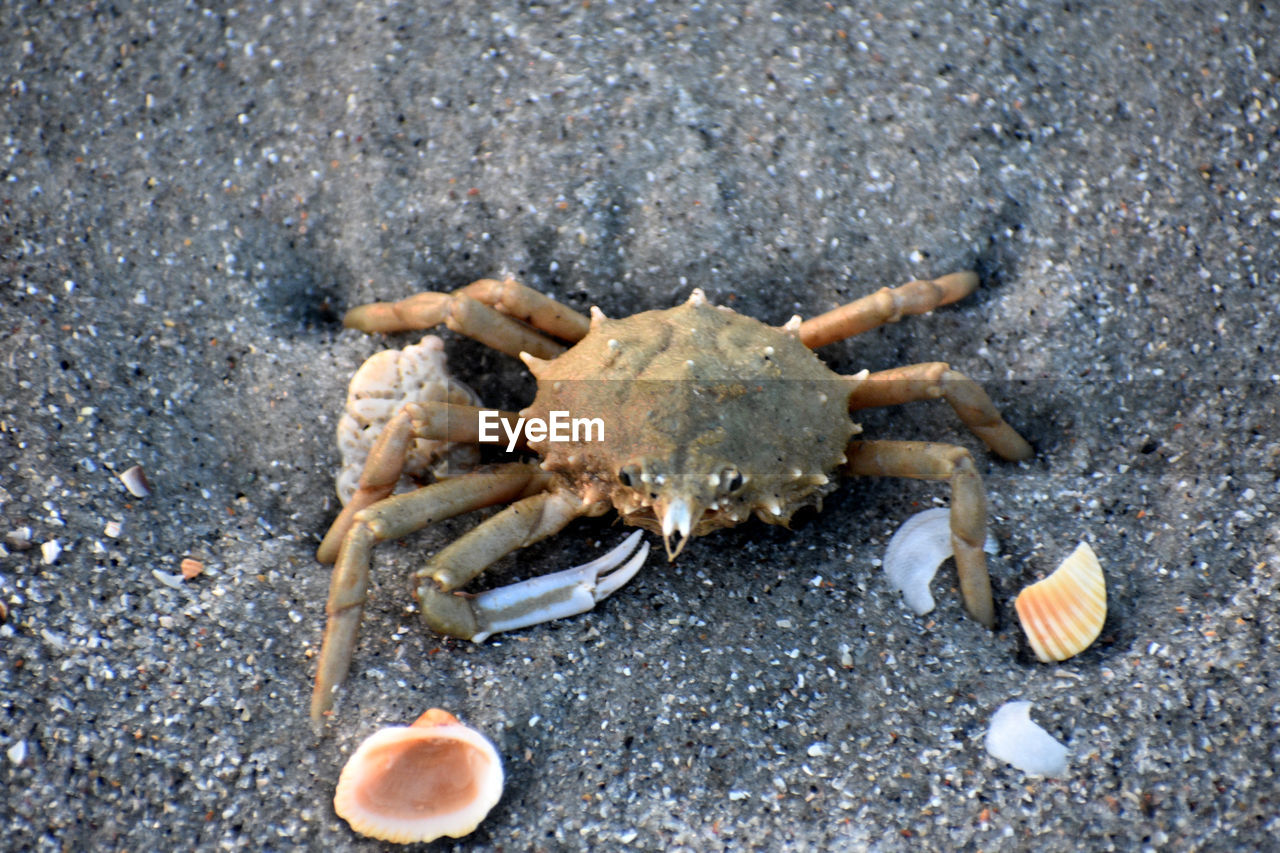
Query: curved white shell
point(379, 389)
point(1063, 614)
point(417, 783)
point(1013, 738)
point(915, 552)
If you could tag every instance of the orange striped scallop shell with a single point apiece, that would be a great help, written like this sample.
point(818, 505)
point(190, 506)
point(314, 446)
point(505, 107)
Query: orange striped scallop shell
point(1063, 614)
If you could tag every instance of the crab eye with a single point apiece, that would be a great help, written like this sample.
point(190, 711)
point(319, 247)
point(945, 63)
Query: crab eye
point(629, 475)
point(732, 480)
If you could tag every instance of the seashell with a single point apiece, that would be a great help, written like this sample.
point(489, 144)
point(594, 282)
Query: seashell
point(1063, 614)
point(418, 783)
point(378, 390)
point(135, 480)
point(915, 552)
point(1013, 738)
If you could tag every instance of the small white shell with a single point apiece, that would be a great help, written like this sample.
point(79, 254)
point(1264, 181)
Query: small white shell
point(915, 552)
point(135, 480)
point(417, 783)
point(1013, 738)
point(378, 390)
point(1063, 614)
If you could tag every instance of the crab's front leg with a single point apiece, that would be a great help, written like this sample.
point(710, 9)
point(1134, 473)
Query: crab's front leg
point(925, 460)
point(389, 519)
point(540, 599)
point(446, 610)
point(432, 421)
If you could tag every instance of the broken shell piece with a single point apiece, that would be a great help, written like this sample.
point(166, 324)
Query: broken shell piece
point(191, 568)
point(1013, 738)
point(915, 552)
point(19, 539)
point(135, 480)
point(378, 390)
point(420, 782)
point(167, 578)
point(1063, 614)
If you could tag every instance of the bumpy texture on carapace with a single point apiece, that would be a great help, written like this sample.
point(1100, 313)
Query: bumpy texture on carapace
point(699, 404)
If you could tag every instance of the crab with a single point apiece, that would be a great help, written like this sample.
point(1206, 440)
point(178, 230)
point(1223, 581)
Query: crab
point(709, 418)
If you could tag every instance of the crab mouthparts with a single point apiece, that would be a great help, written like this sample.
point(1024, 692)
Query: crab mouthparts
point(678, 517)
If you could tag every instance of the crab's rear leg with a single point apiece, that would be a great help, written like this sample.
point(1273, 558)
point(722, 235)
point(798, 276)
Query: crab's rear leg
point(887, 305)
point(388, 519)
point(504, 315)
point(431, 421)
point(931, 380)
point(930, 461)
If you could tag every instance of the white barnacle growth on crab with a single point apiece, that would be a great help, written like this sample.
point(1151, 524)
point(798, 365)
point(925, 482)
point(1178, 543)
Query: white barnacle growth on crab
point(379, 389)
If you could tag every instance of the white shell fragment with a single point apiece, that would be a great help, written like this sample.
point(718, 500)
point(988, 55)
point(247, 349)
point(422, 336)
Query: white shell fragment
point(135, 480)
point(915, 552)
point(1013, 738)
point(1063, 614)
point(378, 390)
point(417, 783)
point(168, 578)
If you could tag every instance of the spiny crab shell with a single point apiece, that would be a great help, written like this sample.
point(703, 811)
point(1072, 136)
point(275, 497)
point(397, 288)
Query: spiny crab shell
point(763, 425)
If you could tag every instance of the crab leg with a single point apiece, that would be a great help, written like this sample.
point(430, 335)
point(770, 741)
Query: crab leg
point(924, 460)
point(431, 421)
point(388, 519)
point(555, 596)
point(887, 305)
point(493, 312)
point(934, 379)
point(539, 600)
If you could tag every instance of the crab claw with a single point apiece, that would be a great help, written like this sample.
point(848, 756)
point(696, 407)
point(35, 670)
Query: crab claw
point(555, 596)
point(678, 516)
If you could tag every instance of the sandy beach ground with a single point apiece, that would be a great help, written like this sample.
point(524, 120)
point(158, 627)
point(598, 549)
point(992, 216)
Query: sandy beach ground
point(191, 195)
